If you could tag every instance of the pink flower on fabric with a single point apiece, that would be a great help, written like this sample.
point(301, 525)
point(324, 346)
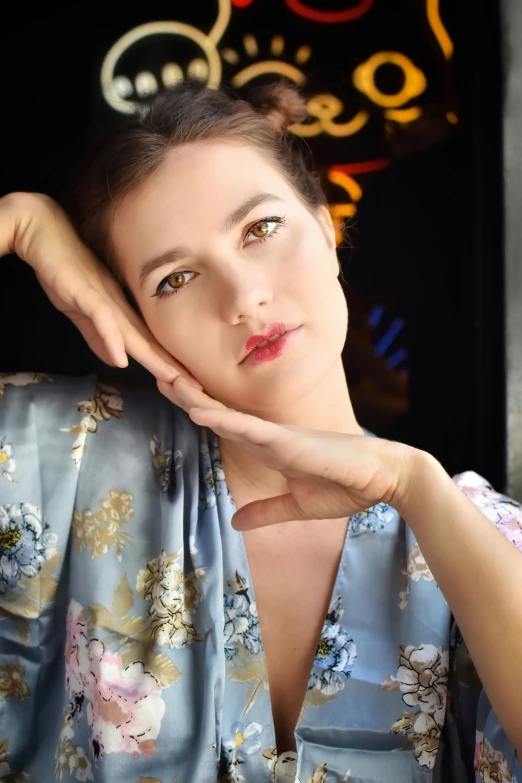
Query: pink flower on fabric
point(503, 511)
point(124, 706)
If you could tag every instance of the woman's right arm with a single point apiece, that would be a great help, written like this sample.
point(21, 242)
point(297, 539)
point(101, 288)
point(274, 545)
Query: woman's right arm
point(35, 227)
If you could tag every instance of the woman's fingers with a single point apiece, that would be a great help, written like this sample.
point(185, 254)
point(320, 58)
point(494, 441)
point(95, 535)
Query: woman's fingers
point(270, 511)
point(185, 394)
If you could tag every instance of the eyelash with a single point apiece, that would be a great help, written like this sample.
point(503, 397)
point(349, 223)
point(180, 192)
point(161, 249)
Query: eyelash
point(280, 221)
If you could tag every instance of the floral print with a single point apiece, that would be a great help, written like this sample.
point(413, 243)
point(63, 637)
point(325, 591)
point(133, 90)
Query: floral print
point(123, 705)
point(422, 678)
point(162, 462)
point(105, 403)
point(416, 569)
point(6, 773)
point(241, 625)
point(503, 511)
point(71, 758)
point(336, 654)
point(22, 379)
point(12, 685)
point(491, 764)
point(102, 530)
point(7, 460)
point(173, 596)
point(25, 543)
point(143, 699)
point(371, 520)
point(242, 741)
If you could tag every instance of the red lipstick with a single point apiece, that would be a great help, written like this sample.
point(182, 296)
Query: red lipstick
point(279, 335)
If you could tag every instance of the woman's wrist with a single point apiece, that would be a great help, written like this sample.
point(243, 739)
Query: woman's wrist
point(423, 480)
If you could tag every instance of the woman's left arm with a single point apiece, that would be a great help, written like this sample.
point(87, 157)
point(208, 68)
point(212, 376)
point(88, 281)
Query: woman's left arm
point(480, 574)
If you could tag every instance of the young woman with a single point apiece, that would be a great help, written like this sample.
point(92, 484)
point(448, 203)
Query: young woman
point(158, 622)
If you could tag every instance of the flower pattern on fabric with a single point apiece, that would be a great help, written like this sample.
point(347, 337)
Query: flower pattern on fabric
point(123, 705)
point(106, 402)
point(99, 531)
point(7, 460)
point(6, 773)
point(173, 597)
point(416, 569)
point(70, 758)
point(491, 764)
point(243, 740)
point(165, 465)
point(241, 625)
point(504, 512)
point(371, 520)
point(242, 641)
point(318, 775)
point(422, 678)
point(12, 685)
point(335, 656)
point(22, 379)
point(25, 543)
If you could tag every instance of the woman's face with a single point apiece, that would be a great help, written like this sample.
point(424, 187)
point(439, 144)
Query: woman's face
point(221, 234)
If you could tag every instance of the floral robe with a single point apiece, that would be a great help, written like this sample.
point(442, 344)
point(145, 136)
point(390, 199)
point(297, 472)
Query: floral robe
point(130, 647)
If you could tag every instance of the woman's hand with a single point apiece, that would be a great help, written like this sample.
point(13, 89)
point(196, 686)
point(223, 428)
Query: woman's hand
point(330, 475)
point(34, 227)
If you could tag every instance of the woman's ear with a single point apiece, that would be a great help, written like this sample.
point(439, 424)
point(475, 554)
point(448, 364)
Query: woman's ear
point(327, 226)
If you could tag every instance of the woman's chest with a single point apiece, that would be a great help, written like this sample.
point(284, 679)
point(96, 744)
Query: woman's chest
point(293, 575)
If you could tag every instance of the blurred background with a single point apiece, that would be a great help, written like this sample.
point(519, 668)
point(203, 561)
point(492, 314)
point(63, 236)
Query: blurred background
point(405, 131)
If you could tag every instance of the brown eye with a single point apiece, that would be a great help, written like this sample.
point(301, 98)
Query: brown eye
point(176, 280)
point(261, 230)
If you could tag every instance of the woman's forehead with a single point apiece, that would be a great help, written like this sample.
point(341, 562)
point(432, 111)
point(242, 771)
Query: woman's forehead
point(203, 181)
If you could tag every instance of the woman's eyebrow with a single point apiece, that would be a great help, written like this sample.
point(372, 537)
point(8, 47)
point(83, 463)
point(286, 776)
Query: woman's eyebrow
point(247, 206)
point(235, 217)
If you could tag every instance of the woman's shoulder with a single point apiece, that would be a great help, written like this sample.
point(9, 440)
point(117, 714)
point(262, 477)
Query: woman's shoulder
point(505, 512)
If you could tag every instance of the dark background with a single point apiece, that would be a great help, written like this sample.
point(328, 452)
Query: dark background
point(425, 242)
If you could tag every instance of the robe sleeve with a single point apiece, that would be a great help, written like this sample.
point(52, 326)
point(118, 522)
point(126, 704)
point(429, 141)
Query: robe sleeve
point(43, 426)
point(484, 741)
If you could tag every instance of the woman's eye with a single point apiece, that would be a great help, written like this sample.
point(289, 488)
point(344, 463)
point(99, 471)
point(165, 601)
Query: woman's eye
point(176, 281)
point(264, 229)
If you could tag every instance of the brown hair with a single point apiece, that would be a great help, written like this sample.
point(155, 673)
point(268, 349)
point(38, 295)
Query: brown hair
point(184, 114)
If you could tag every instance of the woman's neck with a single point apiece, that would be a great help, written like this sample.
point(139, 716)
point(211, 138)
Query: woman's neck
point(327, 407)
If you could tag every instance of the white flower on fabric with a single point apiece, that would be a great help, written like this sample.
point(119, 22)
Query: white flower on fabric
point(7, 460)
point(123, 705)
point(243, 739)
point(423, 679)
point(335, 656)
point(371, 520)
point(25, 543)
point(241, 625)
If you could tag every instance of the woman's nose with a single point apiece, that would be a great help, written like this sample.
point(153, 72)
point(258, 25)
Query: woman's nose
point(242, 292)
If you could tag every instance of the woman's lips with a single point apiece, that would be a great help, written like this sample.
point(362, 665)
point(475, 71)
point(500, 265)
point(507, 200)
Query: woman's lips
point(272, 349)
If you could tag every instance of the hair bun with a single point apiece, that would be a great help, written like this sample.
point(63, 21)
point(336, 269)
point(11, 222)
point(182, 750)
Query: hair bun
point(281, 102)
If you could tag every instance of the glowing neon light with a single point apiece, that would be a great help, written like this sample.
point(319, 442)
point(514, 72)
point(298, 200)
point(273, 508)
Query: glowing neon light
point(241, 3)
point(330, 17)
point(352, 187)
point(109, 88)
point(403, 115)
point(222, 21)
point(326, 108)
point(302, 54)
point(363, 167)
point(439, 31)
point(414, 80)
point(277, 46)
point(250, 44)
point(268, 66)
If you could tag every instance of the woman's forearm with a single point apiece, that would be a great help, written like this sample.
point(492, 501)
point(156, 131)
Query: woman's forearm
point(480, 574)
